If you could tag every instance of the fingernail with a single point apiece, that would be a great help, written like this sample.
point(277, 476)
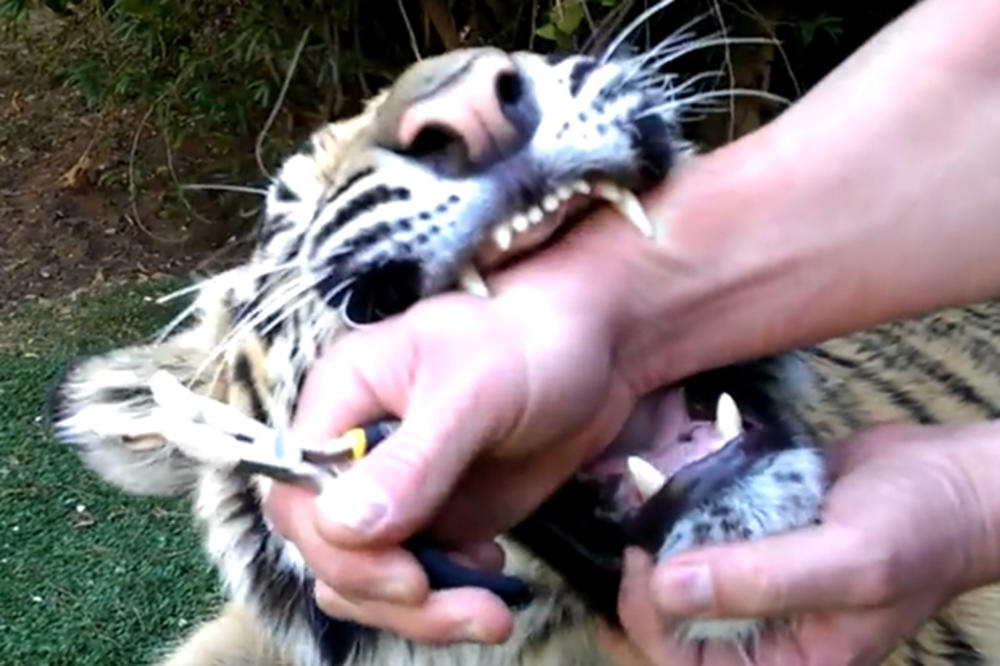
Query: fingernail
point(399, 591)
point(685, 589)
point(472, 631)
point(354, 500)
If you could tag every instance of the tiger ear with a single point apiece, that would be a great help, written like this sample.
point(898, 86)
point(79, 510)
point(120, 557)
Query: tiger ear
point(104, 408)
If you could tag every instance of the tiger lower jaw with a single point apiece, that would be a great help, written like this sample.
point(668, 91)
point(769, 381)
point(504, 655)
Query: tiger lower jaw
point(527, 229)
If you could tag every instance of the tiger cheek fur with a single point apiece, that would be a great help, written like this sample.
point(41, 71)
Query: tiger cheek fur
point(469, 157)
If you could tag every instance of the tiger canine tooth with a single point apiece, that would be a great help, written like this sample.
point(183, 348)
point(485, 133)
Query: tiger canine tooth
point(727, 418)
point(581, 186)
point(608, 191)
point(648, 480)
point(535, 214)
point(503, 235)
point(472, 281)
point(628, 205)
point(520, 222)
point(550, 203)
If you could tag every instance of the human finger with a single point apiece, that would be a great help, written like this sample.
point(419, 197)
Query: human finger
point(387, 574)
point(464, 614)
point(830, 566)
point(642, 620)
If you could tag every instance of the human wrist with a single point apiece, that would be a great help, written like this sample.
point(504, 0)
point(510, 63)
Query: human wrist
point(851, 209)
point(695, 300)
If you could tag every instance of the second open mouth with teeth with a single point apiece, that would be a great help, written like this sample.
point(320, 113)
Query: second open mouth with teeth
point(675, 434)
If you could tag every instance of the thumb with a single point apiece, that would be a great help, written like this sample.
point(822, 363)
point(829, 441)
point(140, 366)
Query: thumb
point(398, 488)
point(393, 491)
point(824, 567)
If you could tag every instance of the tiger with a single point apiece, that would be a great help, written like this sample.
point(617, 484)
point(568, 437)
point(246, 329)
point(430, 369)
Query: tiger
point(468, 160)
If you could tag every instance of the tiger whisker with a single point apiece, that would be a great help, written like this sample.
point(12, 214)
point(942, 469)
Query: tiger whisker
point(255, 272)
point(689, 102)
point(691, 47)
point(631, 28)
point(270, 305)
point(681, 35)
point(242, 189)
point(670, 90)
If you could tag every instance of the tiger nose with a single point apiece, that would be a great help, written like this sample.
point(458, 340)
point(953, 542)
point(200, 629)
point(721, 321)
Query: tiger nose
point(480, 114)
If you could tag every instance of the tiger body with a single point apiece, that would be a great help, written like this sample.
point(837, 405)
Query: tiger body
point(385, 208)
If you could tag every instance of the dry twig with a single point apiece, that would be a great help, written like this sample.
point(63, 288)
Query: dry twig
point(259, 144)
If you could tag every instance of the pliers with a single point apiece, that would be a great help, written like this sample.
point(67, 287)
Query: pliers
point(218, 434)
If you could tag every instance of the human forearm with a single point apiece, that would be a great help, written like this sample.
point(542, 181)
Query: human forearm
point(876, 197)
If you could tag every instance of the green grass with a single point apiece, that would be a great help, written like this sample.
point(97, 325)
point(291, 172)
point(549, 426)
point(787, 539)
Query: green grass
point(90, 575)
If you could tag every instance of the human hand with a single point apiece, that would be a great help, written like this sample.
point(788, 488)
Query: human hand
point(911, 521)
point(489, 429)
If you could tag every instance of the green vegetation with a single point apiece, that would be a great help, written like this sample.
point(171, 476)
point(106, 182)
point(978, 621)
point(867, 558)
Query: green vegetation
point(220, 66)
point(91, 575)
point(233, 86)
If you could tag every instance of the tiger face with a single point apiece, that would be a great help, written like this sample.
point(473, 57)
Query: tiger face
point(470, 160)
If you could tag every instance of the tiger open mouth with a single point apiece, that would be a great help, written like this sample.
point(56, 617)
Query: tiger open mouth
point(528, 229)
point(677, 449)
point(663, 437)
point(395, 285)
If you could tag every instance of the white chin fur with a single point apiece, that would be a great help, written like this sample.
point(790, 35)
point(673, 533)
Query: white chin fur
point(741, 631)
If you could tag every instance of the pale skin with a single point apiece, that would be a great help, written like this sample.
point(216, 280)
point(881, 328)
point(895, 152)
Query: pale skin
point(875, 197)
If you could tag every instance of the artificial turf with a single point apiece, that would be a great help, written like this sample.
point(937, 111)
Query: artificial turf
point(88, 574)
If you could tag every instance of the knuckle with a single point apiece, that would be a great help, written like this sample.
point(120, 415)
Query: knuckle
point(879, 575)
point(879, 583)
point(336, 573)
point(425, 627)
point(333, 604)
point(409, 461)
point(768, 590)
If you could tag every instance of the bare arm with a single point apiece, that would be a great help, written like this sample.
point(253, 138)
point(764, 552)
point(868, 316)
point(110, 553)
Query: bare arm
point(876, 196)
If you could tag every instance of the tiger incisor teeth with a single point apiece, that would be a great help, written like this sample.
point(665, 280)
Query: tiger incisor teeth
point(648, 480)
point(625, 201)
point(472, 281)
point(728, 421)
point(504, 233)
point(503, 236)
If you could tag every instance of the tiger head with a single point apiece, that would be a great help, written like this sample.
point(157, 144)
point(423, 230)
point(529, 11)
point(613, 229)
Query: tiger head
point(468, 159)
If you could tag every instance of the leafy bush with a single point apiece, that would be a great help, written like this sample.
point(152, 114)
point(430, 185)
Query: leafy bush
point(218, 67)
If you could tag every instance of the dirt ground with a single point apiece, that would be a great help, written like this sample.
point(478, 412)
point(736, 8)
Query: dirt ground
point(67, 221)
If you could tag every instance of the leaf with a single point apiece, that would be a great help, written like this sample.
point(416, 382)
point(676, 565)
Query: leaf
point(88, 77)
point(138, 7)
point(547, 31)
point(570, 17)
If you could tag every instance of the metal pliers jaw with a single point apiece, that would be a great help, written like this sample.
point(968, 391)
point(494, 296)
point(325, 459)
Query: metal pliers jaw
point(218, 434)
